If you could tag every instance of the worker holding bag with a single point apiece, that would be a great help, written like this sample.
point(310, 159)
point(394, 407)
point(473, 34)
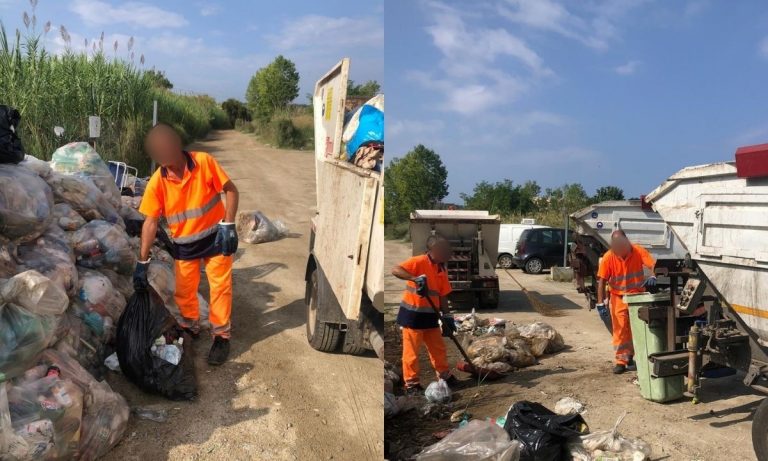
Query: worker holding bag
point(187, 190)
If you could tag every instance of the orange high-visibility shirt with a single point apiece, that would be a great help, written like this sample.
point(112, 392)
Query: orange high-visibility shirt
point(625, 275)
point(192, 204)
point(415, 311)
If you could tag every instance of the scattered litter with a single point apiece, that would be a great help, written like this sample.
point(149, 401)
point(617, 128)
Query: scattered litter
point(112, 362)
point(436, 410)
point(254, 227)
point(156, 415)
point(394, 405)
point(438, 392)
point(477, 440)
point(609, 445)
point(569, 406)
point(460, 415)
point(542, 433)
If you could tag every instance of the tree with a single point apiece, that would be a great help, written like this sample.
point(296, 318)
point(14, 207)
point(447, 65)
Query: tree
point(272, 87)
point(416, 181)
point(158, 78)
point(608, 193)
point(503, 197)
point(572, 197)
point(236, 110)
point(367, 90)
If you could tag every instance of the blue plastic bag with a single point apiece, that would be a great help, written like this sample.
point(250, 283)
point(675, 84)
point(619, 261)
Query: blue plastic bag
point(370, 128)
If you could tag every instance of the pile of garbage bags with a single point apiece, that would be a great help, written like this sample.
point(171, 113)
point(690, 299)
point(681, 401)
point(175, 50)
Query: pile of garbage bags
point(254, 227)
point(65, 264)
point(496, 346)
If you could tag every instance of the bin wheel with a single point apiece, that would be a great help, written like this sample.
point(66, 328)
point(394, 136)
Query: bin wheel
point(760, 431)
point(321, 336)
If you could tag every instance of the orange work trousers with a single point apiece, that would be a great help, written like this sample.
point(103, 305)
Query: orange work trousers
point(413, 339)
point(622, 333)
point(219, 271)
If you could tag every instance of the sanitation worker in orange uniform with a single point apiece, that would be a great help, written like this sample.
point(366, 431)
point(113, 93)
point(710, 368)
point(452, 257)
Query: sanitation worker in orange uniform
point(622, 269)
point(187, 190)
point(426, 276)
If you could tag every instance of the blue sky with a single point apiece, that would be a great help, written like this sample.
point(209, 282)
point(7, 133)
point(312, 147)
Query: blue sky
point(619, 92)
point(214, 47)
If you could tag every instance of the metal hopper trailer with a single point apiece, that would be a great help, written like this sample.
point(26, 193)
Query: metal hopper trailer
point(720, 213)
point(594, 225)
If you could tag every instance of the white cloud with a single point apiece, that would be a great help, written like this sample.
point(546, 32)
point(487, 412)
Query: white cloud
point(418, 129)
point(593, 24)
point(136, 14)
point(763, 47)
point(694, 7)
point(627, 69)
point(316, 31)
point(209, 9)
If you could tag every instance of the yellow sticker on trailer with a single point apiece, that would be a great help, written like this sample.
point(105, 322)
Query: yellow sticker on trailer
point(328, 103)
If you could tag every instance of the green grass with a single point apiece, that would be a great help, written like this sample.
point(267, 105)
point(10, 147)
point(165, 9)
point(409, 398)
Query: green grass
point(50, 90)
point(292, 128)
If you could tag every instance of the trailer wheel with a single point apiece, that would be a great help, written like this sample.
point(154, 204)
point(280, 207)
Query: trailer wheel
point(505, 261)
point(321, 336)
point(760, 431)
point(534, 266)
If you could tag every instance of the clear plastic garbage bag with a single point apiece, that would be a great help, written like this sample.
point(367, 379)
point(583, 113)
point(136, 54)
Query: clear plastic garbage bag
point(12, 446)
point(476, 441)
point(67, 218)
point(40, 167)
point(52, 256)
point(34, 292)
point(79, 158)
point(489, 349)
point(98, 294)
point(26, 204)
point(47, 414)
point(255, 227)
point(605, 445)
point(121, 282)
point(23, 336)
point(543, 338)
point(438, 392)
point(83, 195)
point(162, 278)
point(101, 244)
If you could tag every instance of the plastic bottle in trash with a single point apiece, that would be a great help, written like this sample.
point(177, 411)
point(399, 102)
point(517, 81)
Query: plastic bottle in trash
point(170, 353)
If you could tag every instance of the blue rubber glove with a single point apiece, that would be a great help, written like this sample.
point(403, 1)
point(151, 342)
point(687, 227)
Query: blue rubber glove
point(602, 311)
point(650, 281)
point(421, 285)
point(226, 238)
point(140, 281)
point(448, 325)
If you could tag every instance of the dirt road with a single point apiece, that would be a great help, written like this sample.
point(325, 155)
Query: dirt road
point(715, 429)
point(276, 398)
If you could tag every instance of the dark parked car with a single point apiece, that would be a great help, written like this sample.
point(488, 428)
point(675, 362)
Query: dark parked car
point(539, 249)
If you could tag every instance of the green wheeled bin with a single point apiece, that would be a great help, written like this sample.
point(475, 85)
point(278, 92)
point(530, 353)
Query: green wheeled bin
point(649, 339)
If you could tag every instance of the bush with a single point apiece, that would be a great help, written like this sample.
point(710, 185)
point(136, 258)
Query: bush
point(64, 90)
point(397, 231)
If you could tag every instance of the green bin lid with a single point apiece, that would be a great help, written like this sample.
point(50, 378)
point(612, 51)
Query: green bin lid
point(646, 298)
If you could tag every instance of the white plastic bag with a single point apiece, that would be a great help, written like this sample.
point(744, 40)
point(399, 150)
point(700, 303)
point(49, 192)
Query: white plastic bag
point(35, 292)
point(568, 406)
point(477, 441)
point(254, 227)
point(604, 445)
point(438, 392)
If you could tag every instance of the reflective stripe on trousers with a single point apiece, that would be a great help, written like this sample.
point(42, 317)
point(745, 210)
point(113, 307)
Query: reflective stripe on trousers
point(622, 333)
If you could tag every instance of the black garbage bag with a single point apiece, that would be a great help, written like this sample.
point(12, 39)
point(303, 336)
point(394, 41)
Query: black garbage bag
point(541, 432)
point(144, 320)
point(11, 150)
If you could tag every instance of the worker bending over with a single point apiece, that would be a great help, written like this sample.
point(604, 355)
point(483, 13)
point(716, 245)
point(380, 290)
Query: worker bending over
point(427, 280)
point(622, 268)
point(186, 190)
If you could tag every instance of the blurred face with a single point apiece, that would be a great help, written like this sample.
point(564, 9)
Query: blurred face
point(163, 146)
point(441, 251)
point(620, 245)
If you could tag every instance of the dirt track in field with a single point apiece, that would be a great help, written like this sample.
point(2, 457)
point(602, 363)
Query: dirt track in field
point(276, 398)
point(717, 428)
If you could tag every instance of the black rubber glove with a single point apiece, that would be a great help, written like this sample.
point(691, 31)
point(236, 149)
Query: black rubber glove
point(140, 281)
point(421, 285)
point(448, 325)
point(226, 238)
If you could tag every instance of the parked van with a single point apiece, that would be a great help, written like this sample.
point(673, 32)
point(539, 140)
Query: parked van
point(509, 234)
point(538, 249)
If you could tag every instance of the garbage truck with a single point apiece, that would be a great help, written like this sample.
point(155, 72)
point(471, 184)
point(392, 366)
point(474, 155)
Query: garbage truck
point(593, 227)
point(720, 214)
point(345, 268)
point(474, 238)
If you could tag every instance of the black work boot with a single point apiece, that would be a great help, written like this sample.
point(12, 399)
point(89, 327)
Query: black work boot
point(219, 351)
point(619, 369)
point(415, 389)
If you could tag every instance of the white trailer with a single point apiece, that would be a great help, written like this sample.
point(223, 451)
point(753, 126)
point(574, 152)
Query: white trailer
point(720, 213)
point(345, 268)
